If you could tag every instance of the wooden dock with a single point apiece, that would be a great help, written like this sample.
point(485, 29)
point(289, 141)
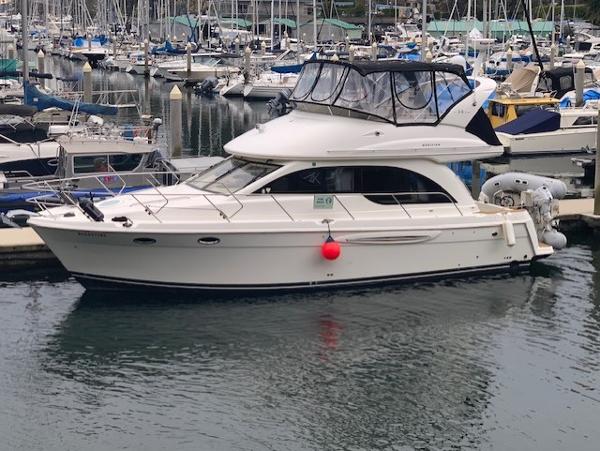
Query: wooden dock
point(578, 213)
point(22, 247)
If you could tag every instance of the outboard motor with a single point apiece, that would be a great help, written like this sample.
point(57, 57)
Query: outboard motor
point(207, 87)
point(279, 105)
point(539, 195)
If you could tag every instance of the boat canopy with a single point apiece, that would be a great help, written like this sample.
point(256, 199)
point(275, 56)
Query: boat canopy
point(400, 92)
point(533, 121)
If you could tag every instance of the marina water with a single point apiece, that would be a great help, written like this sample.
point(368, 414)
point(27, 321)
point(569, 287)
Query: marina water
point(501, 362)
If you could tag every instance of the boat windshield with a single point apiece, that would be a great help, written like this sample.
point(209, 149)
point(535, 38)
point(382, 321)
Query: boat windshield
point(231, 175)
point(394, 91)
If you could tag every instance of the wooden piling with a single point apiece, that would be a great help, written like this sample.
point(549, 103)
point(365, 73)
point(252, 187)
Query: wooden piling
point(188, 56)
point(87, 82)
point(509, 60)
point(552, 55)
point(146, 65)
point(597, 174)
point(579, 80)
point(175, 99)
point(41, 68)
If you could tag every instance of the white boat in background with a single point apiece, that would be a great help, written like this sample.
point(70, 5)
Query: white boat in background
point(350, 188)
point(200, 71)
point(268, 84)
point(551, 131)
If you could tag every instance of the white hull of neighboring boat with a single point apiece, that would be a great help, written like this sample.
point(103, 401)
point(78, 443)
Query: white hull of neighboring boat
point(233, 87)
point(252, 91)
point(272, 259)
point(561, 140)
point(199, 73)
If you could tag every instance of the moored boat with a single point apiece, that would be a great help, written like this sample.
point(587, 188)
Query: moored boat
point(352, 187)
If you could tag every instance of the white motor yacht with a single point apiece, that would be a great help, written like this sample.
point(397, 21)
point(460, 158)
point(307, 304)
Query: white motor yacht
point(351, 187)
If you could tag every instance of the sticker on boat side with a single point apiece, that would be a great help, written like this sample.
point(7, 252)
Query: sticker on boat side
point(323, 201)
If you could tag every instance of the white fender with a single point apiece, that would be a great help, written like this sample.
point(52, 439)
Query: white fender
point(509, 232)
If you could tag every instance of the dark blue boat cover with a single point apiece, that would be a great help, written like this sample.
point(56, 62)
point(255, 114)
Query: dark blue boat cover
point(533, 121)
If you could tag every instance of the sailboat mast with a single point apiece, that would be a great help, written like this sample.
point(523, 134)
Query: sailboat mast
point(24, 37)
point(315, 23)
point(424, 42)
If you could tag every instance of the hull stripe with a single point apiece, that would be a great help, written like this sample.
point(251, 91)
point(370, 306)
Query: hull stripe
point(102, 282)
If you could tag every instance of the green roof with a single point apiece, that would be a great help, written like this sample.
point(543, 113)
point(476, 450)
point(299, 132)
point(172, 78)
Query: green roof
point(336, 23)
point(187, 19)
point(285, 22)
point(513, 26)
point(241, 23)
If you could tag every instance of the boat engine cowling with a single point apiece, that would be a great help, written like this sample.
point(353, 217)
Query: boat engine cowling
point(539, 195)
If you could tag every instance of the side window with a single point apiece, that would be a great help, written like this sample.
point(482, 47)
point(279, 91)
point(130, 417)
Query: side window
point(125, 162)
point(498, 109)
point(380, 184)
point(315, 181)
point(90, 163)
point(406, 186)
point(566, 82)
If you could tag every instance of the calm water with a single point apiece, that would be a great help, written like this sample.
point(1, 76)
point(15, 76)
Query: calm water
point(504, 363)
point(483, 363)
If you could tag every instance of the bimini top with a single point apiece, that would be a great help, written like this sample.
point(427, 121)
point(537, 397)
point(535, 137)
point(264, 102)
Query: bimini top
point(398, 92)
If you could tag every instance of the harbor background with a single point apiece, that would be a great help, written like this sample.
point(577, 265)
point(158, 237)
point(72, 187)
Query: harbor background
point(505, 362)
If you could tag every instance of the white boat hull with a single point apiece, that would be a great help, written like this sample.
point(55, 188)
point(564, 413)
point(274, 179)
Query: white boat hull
point(561, 140)
point(292, 259)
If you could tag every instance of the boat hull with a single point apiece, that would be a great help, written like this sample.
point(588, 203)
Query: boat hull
point(286, 261)
point(559, 141)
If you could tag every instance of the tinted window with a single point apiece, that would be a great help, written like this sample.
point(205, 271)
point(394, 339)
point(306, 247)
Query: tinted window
point(230, 175)
point(125, 162)
point(90, 163)
point(407, 186)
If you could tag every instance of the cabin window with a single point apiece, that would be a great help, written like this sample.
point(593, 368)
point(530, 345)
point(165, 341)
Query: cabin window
point(371, 94)
point(498, 109)
point(415, 101)
point(380, 184)
point(306, 81)
point(585, 120)
point(125, 162)
point(90, 163)
point(231, 175)
point(522, 109)
point(450, 88)
point(566, 82)
point(330, 79)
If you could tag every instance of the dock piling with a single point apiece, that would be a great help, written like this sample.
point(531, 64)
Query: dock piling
point(428, 56)
point(597, 174)
point(175, 100)
point(509, 60)
point(188, 56)
point(11, 51)
point(579, 80)
point(87, 82)
point(351, 51)
point(552, 55)
point(374, 51)
point(146, 65)
point(41, 69)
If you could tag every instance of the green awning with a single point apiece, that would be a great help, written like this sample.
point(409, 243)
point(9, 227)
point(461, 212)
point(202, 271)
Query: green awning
point(335, 23)
point(241, 23)
point(187, 20)
point(289, 23)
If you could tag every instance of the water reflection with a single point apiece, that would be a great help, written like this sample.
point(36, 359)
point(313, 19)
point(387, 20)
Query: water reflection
point(208, 123)
point(361, 368)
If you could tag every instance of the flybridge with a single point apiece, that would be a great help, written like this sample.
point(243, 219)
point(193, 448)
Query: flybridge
point(402, 93)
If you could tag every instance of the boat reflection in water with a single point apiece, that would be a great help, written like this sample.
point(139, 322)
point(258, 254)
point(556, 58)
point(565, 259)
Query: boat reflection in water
point(363, 368)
